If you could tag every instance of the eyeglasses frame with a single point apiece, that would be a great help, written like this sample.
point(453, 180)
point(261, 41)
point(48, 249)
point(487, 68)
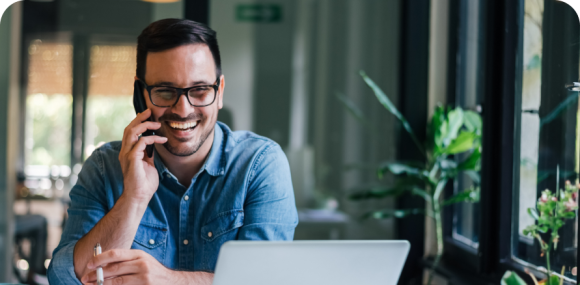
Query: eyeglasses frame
point(182, 91)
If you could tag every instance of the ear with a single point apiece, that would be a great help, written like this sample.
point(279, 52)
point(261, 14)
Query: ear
point(220, 95)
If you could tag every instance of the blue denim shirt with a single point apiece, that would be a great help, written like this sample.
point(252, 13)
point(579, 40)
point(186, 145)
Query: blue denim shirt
point(243, 191)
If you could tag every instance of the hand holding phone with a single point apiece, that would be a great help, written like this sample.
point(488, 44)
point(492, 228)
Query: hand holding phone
point(140, 177)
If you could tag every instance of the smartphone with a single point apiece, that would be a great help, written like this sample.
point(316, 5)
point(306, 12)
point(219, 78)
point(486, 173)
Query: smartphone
point(140, 107)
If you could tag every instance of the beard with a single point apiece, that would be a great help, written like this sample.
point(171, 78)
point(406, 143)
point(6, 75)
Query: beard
point(185, 147)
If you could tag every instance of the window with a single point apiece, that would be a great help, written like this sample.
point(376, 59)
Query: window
point(110, 97)
point(48, 113)
point(468, 95)
point(515, 64)
point(549, 126)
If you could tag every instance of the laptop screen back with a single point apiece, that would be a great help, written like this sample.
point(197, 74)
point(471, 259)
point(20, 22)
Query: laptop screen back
point(311, 262)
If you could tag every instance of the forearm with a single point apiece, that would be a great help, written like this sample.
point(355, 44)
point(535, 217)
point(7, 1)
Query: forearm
point(192, 278)
point(115, 230)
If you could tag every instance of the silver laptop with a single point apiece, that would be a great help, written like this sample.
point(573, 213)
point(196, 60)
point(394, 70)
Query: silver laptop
point(311, 262)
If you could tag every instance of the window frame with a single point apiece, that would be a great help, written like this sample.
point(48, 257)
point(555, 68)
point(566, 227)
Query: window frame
point(501, 137)
point(555, 74)
point(453, 248)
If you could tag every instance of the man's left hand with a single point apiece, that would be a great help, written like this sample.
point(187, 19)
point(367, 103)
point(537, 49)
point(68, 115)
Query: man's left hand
point(128, 266)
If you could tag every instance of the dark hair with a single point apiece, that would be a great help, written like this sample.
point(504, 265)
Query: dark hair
point(170, 33)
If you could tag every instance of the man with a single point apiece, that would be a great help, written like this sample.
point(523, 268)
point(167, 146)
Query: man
point(162, 220)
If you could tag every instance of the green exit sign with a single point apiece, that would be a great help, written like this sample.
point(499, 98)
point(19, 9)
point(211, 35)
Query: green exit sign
point(259, 13)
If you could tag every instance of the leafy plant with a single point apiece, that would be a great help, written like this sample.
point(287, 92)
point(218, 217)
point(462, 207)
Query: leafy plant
point(551, 212)
point(452, 147)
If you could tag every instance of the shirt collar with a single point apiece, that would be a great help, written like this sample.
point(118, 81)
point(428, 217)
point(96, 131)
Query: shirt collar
point(214, 164)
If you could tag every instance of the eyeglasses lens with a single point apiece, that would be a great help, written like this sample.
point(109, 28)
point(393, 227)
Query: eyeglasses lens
point(198, 96)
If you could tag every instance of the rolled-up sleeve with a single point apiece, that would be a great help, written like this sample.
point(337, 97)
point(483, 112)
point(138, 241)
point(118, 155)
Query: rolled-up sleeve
point(269, 209)
point(88, 206)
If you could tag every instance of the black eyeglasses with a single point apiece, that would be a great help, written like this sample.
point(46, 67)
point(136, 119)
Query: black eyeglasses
point(197, 96)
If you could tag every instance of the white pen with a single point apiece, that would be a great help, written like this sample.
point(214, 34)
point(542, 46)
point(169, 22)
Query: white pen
point(100, 278)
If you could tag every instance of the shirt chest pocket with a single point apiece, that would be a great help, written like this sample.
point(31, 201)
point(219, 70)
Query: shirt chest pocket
point(217, 231)
point(224, 224)
point(151, 239)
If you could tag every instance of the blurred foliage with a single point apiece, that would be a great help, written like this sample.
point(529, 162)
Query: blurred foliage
point(48, 127)
point(107, 117)
point(511, 278)
point(551, 212)
point(49, 121)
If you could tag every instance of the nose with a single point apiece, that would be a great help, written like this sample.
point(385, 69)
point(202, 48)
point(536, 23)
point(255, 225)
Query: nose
point(182, 106)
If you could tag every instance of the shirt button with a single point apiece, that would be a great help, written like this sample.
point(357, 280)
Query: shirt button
point(151, 241)
point(209, 234)
point(168, 175)
point(186, 198)
point(185, 241)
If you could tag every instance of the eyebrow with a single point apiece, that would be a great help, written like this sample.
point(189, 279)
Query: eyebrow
point(171, 84)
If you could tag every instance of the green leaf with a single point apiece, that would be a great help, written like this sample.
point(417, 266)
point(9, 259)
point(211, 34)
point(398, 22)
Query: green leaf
point(472, 162)
point(463, 142)
point(554, 280)
point(455, 119)
point(384, 214)
point(437, 129)
point(561, 107)
point(353, 109)
point(407, 184)
point(401, 168)
point(386, 102)
point(447, 164)
point(543, 221)
point(448, 173)
point(543, 229)
point(533, 213)
point(473, 175)
point(531, 229)
point(511, 278)
point(569, 215)
point(526, 232)
point(472, 121)
point(470, 195)
point(377, 193)
point(421, 192)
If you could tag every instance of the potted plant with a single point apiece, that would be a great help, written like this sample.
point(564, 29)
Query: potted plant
point(452, 134)
point(551, 212)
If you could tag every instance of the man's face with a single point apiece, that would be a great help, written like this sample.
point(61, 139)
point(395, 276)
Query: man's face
point(186, 127)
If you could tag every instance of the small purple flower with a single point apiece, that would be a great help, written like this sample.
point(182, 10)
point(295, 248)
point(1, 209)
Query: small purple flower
point(544, 198)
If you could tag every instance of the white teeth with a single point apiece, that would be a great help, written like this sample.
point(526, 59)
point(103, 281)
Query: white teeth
point(182, 126)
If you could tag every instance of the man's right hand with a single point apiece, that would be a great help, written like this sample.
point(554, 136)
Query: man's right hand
point(140, 176)
point(116, 230)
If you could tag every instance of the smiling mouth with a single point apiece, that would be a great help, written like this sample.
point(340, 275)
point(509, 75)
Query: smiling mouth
point(182, 126)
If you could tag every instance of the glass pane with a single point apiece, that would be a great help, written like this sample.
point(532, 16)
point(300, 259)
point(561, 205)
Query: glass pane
point(549, 148)
point(110, 99)
point(468, 96)
point(48, 106)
